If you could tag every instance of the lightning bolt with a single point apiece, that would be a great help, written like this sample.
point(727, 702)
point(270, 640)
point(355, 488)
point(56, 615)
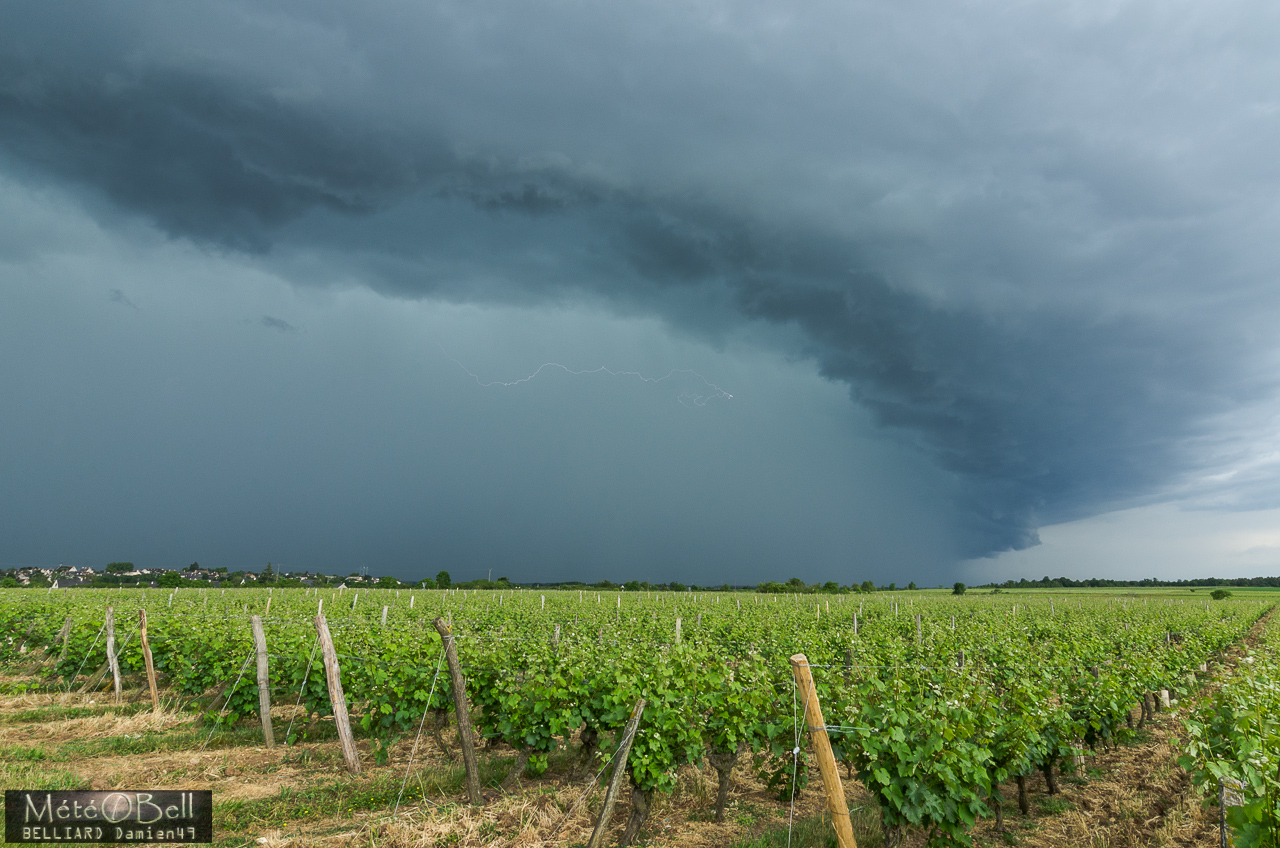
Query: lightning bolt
point(686, 398)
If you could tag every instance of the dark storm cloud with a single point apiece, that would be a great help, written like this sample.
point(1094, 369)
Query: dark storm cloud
point(201, 159)
point(958, 328)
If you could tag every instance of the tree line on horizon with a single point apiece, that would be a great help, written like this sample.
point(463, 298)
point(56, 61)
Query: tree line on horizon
point(117, 574)
point(1150, 582)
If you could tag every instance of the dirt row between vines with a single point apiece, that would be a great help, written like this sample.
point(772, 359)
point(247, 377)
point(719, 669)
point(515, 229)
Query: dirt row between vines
point(1133, 796)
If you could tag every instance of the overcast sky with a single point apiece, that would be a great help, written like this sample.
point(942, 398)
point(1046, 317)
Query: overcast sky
point(851, 290)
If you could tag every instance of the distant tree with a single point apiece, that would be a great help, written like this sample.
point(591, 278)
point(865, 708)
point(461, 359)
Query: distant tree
point(426, 583)
point(388, 583)
point(912, 585)
point(9, 583)
point(867, 587)
point(220, 571)
point(267, 574)
point(631, 586)
point(195, 566)
point(37, 579)
point(676, 587)
point(958, 589)
point(119, 567)
point(893, 587)
point(1219, 594)
point(831, 587)
point(443, 580)
point(170, 580)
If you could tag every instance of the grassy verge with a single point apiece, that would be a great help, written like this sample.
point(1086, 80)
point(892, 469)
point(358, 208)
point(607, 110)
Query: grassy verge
point(346, 797)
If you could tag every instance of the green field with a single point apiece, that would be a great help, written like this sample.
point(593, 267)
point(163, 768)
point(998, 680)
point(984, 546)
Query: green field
point(934, 702)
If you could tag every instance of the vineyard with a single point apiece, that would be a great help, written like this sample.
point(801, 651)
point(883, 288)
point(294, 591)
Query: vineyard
point(941, 710)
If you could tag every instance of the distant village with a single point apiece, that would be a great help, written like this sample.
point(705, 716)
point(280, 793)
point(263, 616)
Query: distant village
point(124, 574)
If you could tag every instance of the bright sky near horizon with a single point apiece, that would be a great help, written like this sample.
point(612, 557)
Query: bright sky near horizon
point(935, 292)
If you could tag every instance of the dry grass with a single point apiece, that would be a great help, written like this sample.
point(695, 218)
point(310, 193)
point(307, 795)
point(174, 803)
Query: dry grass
point(106, 725)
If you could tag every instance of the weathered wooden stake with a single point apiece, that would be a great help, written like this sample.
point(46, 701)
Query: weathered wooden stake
point(919, 638)
point(619, 771)
point(463, 712)
point(677, 630)
point(64, 636)
point(1230, 794)
point(146, 656)
point(111, 650)
point(264, 681)
point(333, 674)
point(822, 750)
point(384, 615)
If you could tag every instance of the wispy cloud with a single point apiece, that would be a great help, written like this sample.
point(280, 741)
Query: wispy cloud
point(278, 324)
point(117, 296)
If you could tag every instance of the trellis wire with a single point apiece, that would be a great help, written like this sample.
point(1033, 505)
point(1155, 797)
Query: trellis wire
point(88, 654)
point(303, 689)
point(426, 709)
point(795, 758)
point(227, 702)
point(574, 806)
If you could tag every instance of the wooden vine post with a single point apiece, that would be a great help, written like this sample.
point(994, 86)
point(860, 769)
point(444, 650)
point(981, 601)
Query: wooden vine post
point(334, 677)
point(463, 712)
point(619, 771)
point(822, 750)
point(112, 661)
point(146, 657)
point(264, 680)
